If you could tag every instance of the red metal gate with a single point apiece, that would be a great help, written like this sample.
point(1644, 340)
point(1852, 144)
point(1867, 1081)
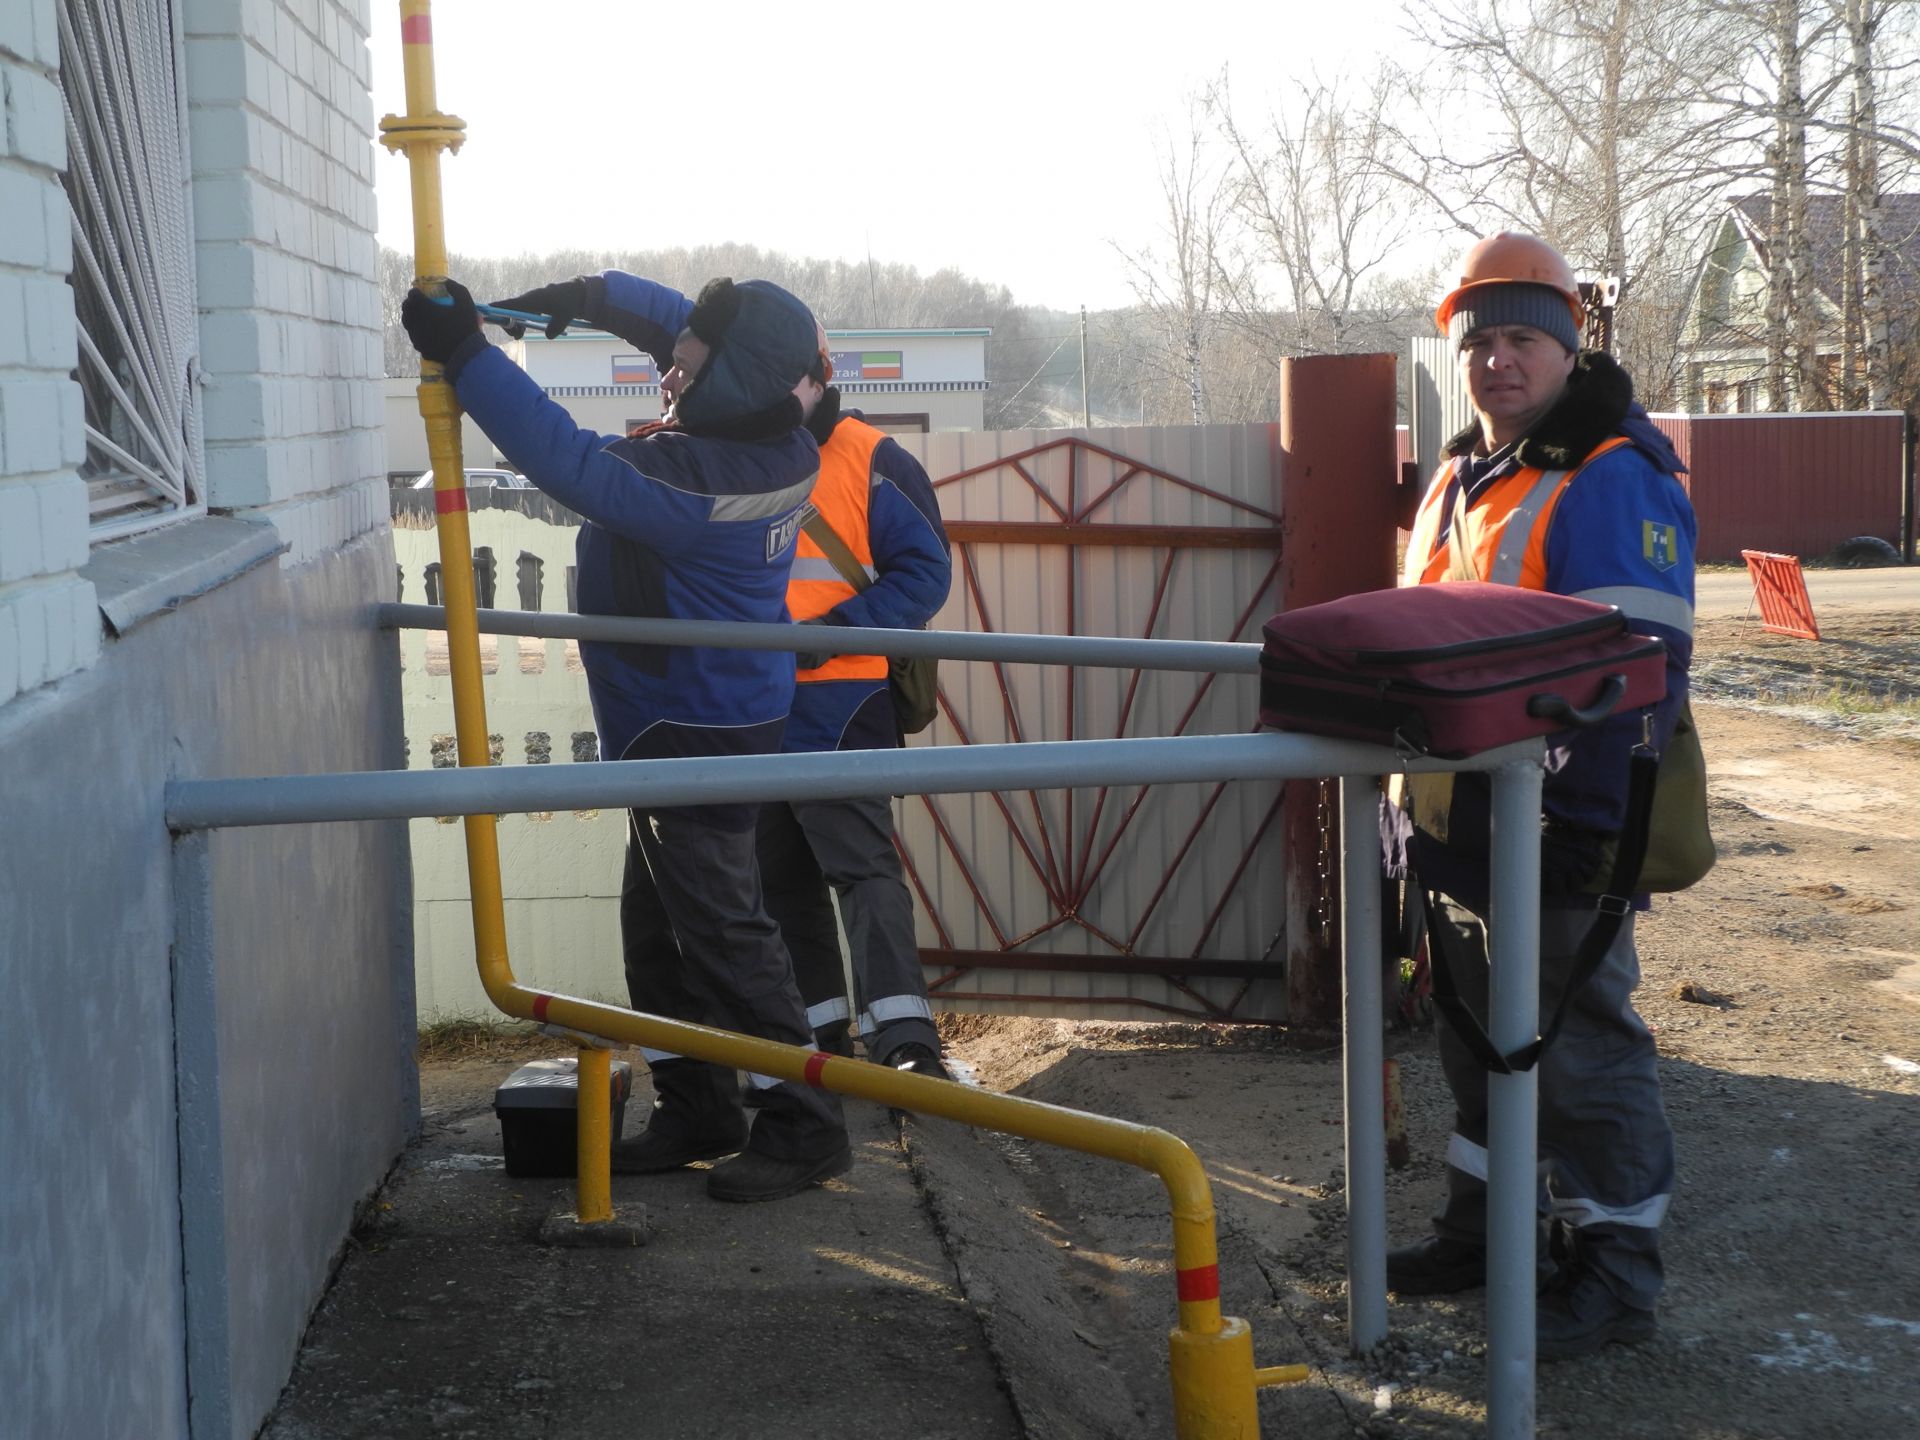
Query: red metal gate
point(1083, 884)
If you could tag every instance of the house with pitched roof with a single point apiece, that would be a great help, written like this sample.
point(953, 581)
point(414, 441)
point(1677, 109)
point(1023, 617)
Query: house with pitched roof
point(1725, 331)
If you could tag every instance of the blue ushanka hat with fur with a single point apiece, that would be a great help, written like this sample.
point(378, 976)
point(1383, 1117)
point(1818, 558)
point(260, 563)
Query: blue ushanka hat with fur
point(763, 341)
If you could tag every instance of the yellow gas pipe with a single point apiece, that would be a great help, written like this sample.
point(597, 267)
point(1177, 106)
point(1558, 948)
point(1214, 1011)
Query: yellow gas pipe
point(422, 134)
point(1211, 1367)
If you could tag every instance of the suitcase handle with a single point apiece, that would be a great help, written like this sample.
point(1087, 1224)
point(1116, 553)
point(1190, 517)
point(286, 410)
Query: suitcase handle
point(1554, 707)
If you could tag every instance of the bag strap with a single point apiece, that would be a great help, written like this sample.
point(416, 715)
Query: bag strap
point(837, 551)
point(1614, 905)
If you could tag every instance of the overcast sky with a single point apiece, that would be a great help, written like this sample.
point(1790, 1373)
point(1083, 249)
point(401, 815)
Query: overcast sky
point(1012, 141)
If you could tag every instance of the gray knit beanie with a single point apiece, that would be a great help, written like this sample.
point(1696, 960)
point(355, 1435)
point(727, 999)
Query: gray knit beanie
point(1540, 306)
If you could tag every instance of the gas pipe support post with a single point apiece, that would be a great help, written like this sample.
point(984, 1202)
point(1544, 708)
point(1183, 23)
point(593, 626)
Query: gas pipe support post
point(422, 133)
point(1336, 472)
point(1513, 1011)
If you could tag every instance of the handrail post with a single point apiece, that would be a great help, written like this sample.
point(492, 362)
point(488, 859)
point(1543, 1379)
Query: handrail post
point(1365, 1072)
point(1513, 1014)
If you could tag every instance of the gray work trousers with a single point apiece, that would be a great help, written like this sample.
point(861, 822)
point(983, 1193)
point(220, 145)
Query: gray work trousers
point(1606, 1149)
point(699, 946)
point(807, 846)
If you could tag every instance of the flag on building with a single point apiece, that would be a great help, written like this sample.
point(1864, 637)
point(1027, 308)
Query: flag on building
point(866, 364)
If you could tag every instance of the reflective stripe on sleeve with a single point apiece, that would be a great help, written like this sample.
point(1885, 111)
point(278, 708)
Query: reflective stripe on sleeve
point(1641, 602)
point(762, 506)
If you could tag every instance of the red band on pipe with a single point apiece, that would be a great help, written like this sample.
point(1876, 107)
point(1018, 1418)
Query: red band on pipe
point(540, 1007)
point(816, 1062)
point(447, 501)
point(1202, 1282)
point(416, 30)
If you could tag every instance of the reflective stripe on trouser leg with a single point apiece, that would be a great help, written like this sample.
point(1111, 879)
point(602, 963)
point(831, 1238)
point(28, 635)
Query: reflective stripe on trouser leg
point(852, 841)
point(1604, 1137)
point(796, 897)
point(709, 884)
point(829, 1012)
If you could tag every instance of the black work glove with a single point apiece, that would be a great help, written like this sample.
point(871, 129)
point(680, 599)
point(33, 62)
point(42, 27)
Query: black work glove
point(812, 659)
point(562, 302)
point(445, 334)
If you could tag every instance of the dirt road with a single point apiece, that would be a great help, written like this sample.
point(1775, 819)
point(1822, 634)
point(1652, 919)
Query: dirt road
point(962, 1285)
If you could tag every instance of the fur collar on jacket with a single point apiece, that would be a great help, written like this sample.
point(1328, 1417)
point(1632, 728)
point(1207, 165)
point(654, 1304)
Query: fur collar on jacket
point(1598, 395)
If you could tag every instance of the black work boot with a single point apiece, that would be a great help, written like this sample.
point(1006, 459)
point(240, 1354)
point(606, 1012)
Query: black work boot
point(1581, 1316)
point(1436, 1266)
point(669, 1142)
point(752, 1175)
point(917, 1059)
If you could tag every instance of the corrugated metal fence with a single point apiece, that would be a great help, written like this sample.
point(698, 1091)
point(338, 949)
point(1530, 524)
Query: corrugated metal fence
point(1796, 484)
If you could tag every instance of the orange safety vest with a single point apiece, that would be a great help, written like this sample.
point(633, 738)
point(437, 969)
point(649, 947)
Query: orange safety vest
point(1504, 531)
point(840, 495)
point(1501, 537)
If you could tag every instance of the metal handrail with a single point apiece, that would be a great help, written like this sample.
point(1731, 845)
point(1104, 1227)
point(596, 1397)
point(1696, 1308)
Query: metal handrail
point(1211, 1356)
point(1223, 657)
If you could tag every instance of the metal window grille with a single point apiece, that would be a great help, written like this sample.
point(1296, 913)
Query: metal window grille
point(127, 187)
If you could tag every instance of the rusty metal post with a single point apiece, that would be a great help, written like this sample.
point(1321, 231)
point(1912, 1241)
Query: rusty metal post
point(1338, 484)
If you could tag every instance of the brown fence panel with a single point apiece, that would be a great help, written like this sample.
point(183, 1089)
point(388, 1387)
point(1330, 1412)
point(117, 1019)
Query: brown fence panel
point(1792, 484)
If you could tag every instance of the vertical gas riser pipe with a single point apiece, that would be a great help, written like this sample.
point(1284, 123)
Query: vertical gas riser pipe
point(422, 133)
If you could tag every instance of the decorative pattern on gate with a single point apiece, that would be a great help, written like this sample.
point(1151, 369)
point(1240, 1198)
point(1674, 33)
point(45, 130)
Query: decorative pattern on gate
point(1106, 900)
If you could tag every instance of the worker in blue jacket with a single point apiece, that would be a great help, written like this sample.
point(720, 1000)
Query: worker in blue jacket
point(694, 520)
point(1562, 484)
point(876, 499)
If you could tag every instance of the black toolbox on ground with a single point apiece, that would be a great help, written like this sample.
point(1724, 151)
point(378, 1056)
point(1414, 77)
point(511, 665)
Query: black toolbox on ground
point(537, 1109)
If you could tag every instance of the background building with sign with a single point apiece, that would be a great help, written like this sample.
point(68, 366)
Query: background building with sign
point(905, 381)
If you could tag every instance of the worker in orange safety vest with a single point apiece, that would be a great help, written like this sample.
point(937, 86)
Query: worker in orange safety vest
point(1561, 483)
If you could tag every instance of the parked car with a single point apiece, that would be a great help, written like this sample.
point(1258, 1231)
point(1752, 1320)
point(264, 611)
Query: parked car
point(482, 480)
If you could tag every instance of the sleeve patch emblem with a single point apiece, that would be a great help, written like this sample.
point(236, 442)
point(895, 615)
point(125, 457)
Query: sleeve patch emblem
point(1659, 544)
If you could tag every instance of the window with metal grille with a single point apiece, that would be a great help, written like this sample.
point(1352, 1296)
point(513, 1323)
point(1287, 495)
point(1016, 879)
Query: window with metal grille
point(126, 181)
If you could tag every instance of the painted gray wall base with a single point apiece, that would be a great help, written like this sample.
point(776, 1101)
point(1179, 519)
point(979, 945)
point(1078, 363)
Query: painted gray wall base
point(295, 1081)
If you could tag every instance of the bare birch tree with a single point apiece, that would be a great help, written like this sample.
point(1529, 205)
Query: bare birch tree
point(1323, 216)
point(1179, 280)
point(1573, 129)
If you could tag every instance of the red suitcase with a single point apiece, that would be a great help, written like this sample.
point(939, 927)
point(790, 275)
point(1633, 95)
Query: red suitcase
point(1453, 669)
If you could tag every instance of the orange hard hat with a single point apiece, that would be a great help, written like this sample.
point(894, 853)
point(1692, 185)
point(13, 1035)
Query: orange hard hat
point(1510, 258)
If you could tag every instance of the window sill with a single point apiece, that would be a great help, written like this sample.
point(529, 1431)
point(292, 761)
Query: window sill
point(153, 573)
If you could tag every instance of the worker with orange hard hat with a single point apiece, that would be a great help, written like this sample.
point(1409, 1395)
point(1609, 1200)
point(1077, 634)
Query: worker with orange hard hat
point(1561, 483)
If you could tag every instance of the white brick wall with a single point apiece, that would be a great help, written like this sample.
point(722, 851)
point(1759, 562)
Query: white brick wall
point(49, 622)
point(280, 126)
point(281, 132)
